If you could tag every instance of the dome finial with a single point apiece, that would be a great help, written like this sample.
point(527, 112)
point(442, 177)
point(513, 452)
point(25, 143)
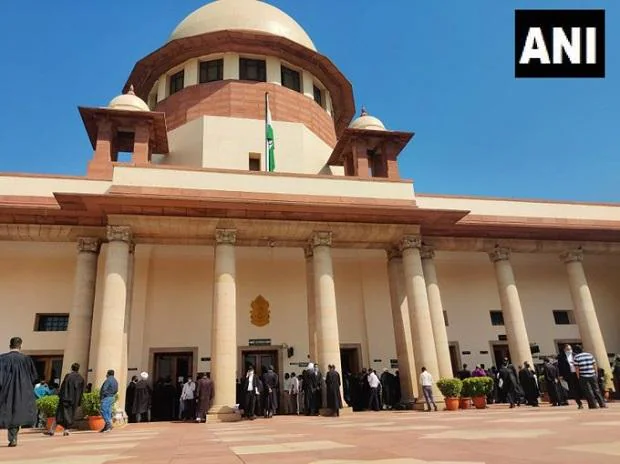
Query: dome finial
point(363, 112)
point(130, 91)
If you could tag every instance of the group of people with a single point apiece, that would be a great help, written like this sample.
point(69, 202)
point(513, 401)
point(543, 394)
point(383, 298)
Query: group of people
point(19, 389)
point(574, 374)
point(300, 394)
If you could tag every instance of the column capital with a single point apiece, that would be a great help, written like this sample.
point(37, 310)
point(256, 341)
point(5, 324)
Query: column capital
point(132, 248)
point(499, 254)
point(308, 251)
point(427, 252)
point(321, 238)
point(88, 245)
point(393, 253)
point(119, 234)
point(225, 236)
point(410, 241)
point(572, 256)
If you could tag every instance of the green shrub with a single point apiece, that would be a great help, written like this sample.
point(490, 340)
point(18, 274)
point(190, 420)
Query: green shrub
point(450, 388)
point(91, 404)
point(48, 405)
point(477, 386)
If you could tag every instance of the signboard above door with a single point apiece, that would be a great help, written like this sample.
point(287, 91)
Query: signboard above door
point(260, 342)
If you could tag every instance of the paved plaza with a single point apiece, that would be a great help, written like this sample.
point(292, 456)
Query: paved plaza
point(524, 435)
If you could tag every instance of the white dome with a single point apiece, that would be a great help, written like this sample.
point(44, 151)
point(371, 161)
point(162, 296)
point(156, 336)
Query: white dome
point(367, 122)
point(129, 102)
point(242, 15)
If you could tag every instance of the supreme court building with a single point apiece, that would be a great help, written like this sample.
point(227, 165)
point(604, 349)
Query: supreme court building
point(177, 253)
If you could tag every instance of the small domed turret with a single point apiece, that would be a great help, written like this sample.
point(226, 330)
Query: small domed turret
point(128, 102)
point(367, 122)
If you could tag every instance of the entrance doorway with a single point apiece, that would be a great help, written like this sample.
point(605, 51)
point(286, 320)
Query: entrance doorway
point(261, 360)
point(350, 360)
point(49, 368)
point(173, 365)
point(500, 351)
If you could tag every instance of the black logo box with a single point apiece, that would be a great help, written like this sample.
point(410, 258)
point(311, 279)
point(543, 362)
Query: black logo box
point(547, 20)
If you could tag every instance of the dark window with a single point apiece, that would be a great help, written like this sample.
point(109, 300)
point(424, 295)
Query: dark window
point(254, 162)
point(252, 70)
point(211, 71)
point(51, 322)
point(318, 95)
point(497, 317)
point(563, 317)
point(177, 81)
point(291, 79)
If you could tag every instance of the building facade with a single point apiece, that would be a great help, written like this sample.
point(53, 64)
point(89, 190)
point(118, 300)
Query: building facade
point(177, 253)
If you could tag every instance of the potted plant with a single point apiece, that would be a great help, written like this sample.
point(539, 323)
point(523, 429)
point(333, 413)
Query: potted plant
point(48, 405)
point(478, 389)
point(91, 406)
point(450, 389)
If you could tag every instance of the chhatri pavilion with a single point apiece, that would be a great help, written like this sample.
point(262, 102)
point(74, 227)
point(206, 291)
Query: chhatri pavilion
point(178, 252)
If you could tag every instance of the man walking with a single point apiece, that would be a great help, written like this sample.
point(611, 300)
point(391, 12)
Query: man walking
point(566, 366)
point(373, 382)
point(426, 379)
point(205, 393)
point(586, 370)
point(108, 392)
point(18, 376)
point(69, 399)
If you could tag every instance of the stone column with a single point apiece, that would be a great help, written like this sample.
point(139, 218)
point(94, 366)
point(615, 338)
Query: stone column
point(419, 311)
point(125, 343)
point(325, 302)
point(224, 327)
point(312, 316)
point(518, 342)
point(585, 312)
point(81, 316)
point(402, 327)
point(109, 350)
point(436, 308)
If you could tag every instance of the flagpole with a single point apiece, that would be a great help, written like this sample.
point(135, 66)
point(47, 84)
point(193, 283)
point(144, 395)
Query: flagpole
point(265, 132)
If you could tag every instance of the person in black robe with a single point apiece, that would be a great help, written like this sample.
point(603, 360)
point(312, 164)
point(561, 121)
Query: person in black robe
point(270, 386)
point(527, 378)
point(387, 388)
point(129, 394)
point(332, 384)
point(18, 376)
point(69, 399)
point(141, 401)
point(552, 382)
point(310, 386)
point(250, 387)
point(509, 383)
point(397, 389)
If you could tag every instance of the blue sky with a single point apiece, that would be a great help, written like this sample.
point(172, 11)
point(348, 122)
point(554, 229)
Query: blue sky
point(442, 69)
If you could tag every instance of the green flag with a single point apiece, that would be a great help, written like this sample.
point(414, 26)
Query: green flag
point(270, 145)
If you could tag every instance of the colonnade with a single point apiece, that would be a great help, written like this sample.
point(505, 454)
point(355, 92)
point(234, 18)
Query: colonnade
point(417, 310)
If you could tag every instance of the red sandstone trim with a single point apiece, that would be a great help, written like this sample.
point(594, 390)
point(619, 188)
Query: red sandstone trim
point(517, 200)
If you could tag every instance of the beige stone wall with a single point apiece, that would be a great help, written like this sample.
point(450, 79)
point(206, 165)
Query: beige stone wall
point(34, 278)
point(172, 299)
point(214, 142)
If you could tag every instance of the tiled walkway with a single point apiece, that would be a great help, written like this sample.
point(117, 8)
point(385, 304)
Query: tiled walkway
point(523, 435)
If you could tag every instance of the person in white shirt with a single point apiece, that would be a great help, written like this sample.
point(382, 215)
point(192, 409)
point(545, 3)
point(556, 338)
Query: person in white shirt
point(286, 395)
point(294, 393)
point(374, 383)
point(189, 403)
point(426, 379)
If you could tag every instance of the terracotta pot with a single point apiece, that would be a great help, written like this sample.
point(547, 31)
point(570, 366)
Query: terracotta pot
point(50, 423)
point(480, 402)
point(452, 404)
point(465, 403)
point(96, 423)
